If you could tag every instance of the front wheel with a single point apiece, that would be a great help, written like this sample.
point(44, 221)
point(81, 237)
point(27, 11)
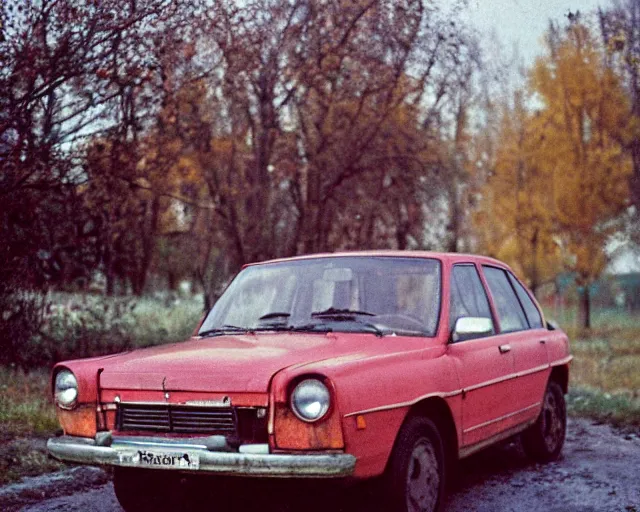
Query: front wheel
point(415, 476)
point(543, 441)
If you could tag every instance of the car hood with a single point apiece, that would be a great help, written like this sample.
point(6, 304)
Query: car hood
point(243, 363)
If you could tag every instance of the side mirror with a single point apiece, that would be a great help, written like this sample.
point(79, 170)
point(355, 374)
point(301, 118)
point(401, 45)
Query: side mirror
point(470, 327)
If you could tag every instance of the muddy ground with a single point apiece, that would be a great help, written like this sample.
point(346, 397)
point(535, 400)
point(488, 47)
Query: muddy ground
point(599, 471)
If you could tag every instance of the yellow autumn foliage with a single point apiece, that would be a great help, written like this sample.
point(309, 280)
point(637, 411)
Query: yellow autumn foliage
point(559, 181)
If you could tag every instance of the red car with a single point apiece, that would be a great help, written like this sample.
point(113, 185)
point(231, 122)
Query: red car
point(352, 365)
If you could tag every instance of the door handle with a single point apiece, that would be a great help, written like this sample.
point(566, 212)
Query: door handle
point(542, 342)
point(504, 348)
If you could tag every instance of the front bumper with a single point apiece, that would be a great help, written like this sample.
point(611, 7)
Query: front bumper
point(214, 456)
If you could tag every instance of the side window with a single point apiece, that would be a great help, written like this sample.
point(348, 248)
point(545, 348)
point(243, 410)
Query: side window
point(510, 312)
point(468, 297)
point(530, 309)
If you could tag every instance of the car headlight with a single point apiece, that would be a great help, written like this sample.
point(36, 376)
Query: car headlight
point(66, 389)
point(310, 400)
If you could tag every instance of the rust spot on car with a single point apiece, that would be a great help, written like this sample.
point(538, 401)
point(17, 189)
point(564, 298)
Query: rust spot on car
point(81, 421)
point(294, 434)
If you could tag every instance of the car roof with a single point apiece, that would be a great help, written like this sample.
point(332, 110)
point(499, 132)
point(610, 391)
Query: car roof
point(451, 257)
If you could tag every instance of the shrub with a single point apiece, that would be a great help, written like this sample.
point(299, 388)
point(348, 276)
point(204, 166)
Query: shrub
point(21, 317)
point(76, 325)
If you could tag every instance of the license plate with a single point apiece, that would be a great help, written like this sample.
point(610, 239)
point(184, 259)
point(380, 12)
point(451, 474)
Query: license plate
point(161, 459)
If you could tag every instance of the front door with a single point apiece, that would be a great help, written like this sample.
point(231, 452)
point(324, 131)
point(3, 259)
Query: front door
point(485, 369)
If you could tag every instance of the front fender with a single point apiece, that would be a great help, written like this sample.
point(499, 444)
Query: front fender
point(375, 394)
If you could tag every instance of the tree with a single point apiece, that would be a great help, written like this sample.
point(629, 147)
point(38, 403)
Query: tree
point(383, 60)
point(581, 126)
point(243, 131)
point(560, 182)
point(296, 113)
point(620, 30)
point(516, 221)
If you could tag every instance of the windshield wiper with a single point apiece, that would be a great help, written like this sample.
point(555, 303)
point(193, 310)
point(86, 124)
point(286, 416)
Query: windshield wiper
point(275, 314)
point(372, 327)
point(225, 329)
point(273, 327)
point(336, 312)
point(315, 327)
point(349, 315)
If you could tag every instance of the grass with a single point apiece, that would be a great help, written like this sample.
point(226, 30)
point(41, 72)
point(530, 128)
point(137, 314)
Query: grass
point(601, 318)
point(605, 372)
point(27, 418)
point(618, 409)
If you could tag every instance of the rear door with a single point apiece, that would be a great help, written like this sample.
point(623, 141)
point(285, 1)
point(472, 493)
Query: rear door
point(522, 334)
point(531, 355)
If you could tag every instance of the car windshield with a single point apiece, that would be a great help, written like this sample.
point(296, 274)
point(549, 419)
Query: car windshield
point(380, 295)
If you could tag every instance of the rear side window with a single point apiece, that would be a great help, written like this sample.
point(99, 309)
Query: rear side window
point(510, 312)
point(468, 297)
point(530, 309)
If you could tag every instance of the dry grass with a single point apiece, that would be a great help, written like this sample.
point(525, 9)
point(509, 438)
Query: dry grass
point(27, 418)
point(605, 372)
point(25, 403)
point(607, 359)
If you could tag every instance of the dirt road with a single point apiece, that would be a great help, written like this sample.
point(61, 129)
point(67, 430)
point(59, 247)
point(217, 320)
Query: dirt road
point(599, 471)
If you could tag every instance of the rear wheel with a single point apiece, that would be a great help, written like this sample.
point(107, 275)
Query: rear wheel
point(543, 441)
point(415, 476)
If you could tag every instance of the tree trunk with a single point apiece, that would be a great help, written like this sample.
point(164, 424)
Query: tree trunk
point(172, 282)
point(585, 308)
point(535, 277)
point(206, 293)
point(402, 233)
point(109, 273)
point(454, 215)
point(148, 245)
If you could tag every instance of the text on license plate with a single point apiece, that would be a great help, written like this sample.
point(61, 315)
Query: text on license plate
point(158, 458)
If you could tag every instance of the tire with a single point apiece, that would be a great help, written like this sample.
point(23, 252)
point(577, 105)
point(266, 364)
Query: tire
point(415, 477)
point(543, 441)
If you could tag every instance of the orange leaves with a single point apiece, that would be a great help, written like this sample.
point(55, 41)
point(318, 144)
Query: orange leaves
point(561, 170)
point(582, 125)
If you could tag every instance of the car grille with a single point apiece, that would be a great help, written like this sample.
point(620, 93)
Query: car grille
point(175, 418)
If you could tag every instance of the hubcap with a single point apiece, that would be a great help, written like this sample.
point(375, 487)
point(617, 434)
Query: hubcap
point(553, 425)
point(423, 479)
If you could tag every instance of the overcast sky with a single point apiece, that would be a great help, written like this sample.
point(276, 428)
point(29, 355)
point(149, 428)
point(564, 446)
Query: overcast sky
point(524, 21)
